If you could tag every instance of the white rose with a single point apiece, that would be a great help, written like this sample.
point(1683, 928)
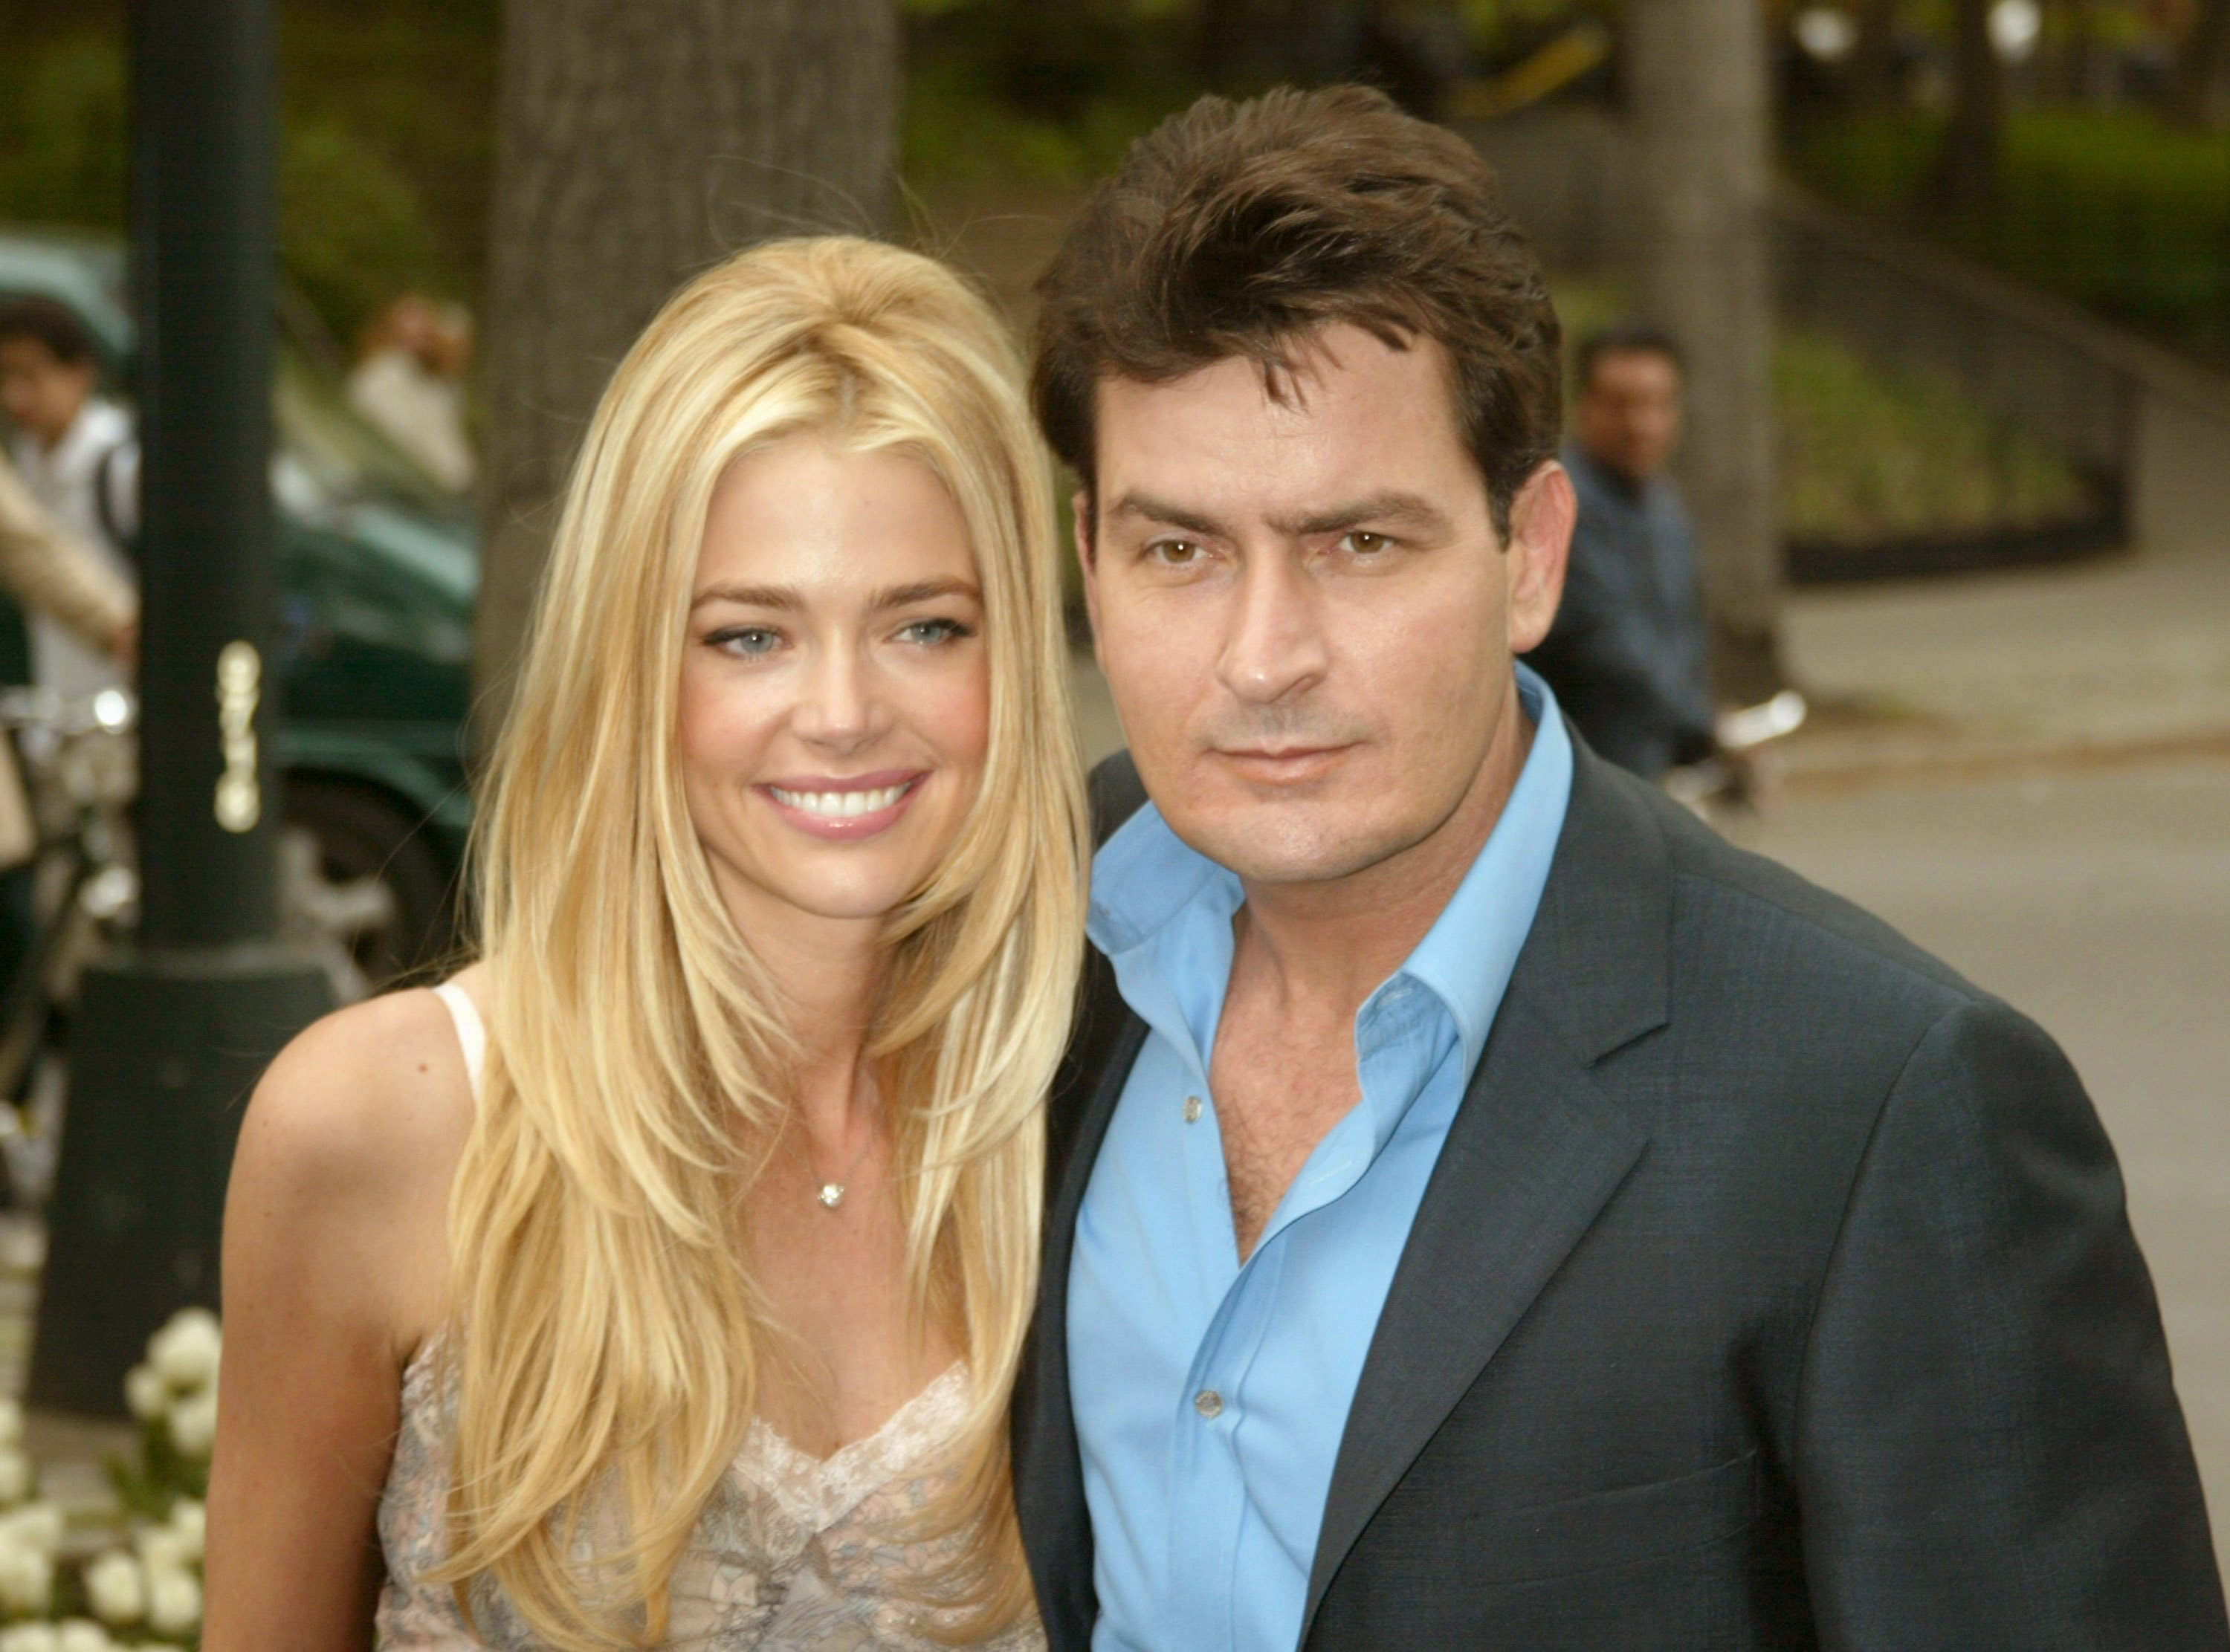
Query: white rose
point(82, 1635)
point(193, 1424)
point(115, 1588)
point(185, 1351)
point(15, 1475)
point(27, 1576)
point(145, 1392)
point(11, 1422)
point(38, 1524)
point(31, 1637)
point(174, 1603)
point(190, 1522)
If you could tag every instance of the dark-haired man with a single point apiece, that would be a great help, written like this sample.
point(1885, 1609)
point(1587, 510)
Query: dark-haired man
point(79, 457)
point(1487, 1210)
point(1626, 655)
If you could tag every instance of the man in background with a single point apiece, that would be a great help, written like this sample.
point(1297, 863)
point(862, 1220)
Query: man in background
point(409, 383)
point(79, 459)
point(1628, 653)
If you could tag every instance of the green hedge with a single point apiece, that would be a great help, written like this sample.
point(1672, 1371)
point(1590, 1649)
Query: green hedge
point(2113, 208)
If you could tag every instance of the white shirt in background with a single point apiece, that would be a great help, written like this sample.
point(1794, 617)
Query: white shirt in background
point(66, 479)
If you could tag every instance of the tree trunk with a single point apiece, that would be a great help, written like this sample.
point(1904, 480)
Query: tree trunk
point(1967, 170)
point(1697, 93)
point(1875, 70)
point(2201, 93)
point(640, 140)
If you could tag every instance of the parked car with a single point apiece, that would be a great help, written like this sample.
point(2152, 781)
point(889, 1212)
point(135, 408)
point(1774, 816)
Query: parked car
point(378, 569)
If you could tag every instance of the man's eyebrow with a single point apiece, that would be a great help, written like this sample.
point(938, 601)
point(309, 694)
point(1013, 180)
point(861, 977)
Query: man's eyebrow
point(1142, 507)
point(786, 598)
point(1392, 510)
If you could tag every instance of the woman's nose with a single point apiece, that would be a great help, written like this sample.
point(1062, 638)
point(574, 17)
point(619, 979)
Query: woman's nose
point(840, 703)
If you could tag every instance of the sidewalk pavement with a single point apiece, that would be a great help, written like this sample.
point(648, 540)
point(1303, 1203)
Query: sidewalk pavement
point(2119, 661)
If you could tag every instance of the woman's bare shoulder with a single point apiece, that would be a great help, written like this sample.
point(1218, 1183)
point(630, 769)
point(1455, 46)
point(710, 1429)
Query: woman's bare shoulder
point(371, 1102)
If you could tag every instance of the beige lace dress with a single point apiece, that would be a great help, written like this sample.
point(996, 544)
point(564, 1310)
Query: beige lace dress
point(793, 1553)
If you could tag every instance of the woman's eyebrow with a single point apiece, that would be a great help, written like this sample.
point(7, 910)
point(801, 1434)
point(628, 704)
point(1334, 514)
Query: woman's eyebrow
point(925, 590)
point(783, 597)
point(787, 600)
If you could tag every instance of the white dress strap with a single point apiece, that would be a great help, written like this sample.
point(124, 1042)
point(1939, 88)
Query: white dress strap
point(472, 1031)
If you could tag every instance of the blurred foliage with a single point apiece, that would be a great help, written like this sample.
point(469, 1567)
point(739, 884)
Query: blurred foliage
point(387, 135)
point(2111, 207)
point(1868, 455)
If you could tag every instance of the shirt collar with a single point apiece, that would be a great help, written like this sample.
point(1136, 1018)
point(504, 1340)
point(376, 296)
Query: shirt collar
point(1146, 876)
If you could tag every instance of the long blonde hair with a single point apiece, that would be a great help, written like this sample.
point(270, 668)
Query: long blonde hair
point(607, 1332)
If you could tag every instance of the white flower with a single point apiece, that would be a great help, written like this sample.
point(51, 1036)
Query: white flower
point(193, 1424)
point(161, 1549)
point(31, 1637)
point(15, 1475)
point(185, 1351)
point(190, 1522)
point(27, 1577)
point(115, 1588)
point(145, 1392)
point(82, 1635)
point(174, 1603)
point(37, 1526)
point(11, 1422)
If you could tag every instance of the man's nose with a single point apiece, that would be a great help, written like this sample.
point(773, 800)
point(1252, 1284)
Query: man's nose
point(1275, 645)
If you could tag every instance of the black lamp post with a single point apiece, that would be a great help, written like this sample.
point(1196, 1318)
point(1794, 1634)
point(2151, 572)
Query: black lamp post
point(170, 1034)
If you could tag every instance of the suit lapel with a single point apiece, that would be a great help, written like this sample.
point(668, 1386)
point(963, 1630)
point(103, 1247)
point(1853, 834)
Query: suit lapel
point(1536, 1150)
point(1048, 1469)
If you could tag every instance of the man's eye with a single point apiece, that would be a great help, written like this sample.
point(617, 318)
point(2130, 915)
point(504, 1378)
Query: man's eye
point(746, 642)
point(931, 633)
point(1175, 553)
point(1364, 543)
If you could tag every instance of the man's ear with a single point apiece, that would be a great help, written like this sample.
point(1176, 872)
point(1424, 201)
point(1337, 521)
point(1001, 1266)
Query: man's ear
point(1080, 511)
point(1541, 520)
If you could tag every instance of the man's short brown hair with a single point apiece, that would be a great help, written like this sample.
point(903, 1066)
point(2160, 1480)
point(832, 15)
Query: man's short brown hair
point(1238, 229)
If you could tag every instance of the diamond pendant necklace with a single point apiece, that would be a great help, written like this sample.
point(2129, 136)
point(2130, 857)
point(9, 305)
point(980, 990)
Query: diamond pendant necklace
point(832, 1193)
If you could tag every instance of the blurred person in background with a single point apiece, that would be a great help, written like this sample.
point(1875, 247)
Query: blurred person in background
point(409, 382)
point(79, 457)
point(59, 578)
point(1628, 654)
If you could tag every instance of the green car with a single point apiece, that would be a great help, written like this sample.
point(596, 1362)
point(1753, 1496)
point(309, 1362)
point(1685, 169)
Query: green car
point(378, 569)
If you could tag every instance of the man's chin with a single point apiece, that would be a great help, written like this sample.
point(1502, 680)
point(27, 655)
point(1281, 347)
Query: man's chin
point(1269, 851)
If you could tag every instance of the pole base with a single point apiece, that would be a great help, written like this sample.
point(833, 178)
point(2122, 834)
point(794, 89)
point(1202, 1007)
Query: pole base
point(166, 1046)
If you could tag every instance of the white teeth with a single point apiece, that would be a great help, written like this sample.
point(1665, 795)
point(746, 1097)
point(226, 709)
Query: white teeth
point(841, 806)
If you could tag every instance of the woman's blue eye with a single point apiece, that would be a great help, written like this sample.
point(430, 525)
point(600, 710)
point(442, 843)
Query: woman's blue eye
point(932, 632)
point(748, 641)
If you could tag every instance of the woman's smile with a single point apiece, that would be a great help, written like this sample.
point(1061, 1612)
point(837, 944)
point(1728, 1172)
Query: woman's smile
point(845, 810)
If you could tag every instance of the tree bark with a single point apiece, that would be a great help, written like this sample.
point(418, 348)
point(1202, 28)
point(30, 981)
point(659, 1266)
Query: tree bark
point(1967, 170)
point(2201, 96)
point(639, 141)
point(1699, 101)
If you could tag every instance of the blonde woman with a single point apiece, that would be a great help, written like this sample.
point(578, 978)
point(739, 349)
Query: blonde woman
point(660, 1280)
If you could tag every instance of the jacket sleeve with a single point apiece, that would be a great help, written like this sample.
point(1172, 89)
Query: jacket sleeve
point(47, 570)
point(1605, 661)
point(1989, 1448)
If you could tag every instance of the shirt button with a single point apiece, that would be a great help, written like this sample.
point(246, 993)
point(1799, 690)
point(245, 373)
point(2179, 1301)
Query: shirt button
point(1192, 1109)
point(1209, 1403)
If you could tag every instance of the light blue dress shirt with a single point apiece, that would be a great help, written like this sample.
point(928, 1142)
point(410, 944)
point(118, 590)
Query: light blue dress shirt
point(1210, 1396)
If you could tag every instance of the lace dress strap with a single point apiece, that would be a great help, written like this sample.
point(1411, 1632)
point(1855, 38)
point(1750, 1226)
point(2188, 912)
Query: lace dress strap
point(472, 1031)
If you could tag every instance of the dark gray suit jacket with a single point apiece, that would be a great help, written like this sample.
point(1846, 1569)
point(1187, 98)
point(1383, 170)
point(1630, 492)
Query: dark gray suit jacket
point(1774, 1289)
